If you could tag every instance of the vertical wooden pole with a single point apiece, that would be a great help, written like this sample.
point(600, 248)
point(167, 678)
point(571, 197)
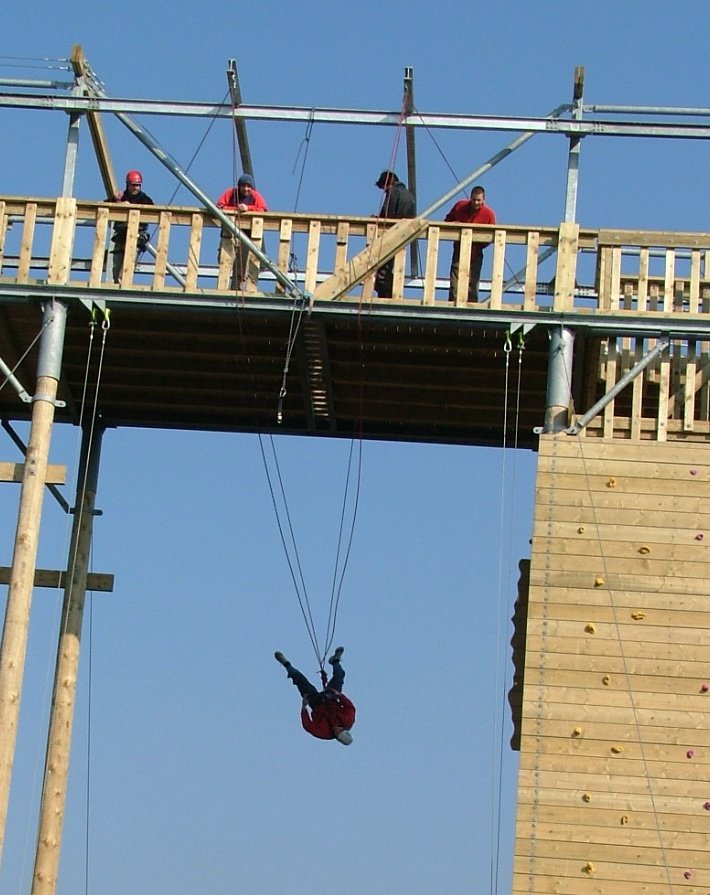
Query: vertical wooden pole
point(56, 772)
point(13, 647)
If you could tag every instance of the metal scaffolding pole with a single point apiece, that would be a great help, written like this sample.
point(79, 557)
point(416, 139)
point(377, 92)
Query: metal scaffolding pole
point(559, 379)
point(56, 771)
point(13, 647)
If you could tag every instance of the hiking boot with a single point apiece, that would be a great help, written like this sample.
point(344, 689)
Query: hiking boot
point(280, 658)
point(336, 655)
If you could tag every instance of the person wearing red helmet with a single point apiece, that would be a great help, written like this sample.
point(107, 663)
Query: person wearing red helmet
point(328, 714)
point(134, 195)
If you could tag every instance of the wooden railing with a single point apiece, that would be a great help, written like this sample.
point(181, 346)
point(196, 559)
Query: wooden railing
point(530, 268)
point(566, 269)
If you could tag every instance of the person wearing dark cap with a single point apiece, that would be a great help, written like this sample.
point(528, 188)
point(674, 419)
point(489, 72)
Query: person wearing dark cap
point(242, 198)
point(327, 714)
point(397, 203)
point(133, 194)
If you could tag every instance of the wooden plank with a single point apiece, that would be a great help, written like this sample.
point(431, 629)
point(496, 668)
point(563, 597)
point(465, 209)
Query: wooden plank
point(610, 382)
point(464, 278)
point(531, 265)
point(98, 254)
point(669, 280)
point(161, 254)
point(193, 253)
point(48, 578)
point(400, 260)
point(312, 253)
point(498, 273)
point(28, 232)
point(664, 388)
point(631, 485)
point(367, 261)
point(565, 271)
point(432, 259)
point(643, 280)
point(341, 244)
point(284, 254)
point(590, 679)
point(13, 472)
point(131, 248)
point(4, 218)
point(681, 514)
point(60, 252)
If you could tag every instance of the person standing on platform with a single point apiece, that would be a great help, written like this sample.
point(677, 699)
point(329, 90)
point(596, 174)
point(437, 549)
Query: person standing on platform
point(469, 211)
point(397, 203)
point(134, 195)
point(326, 714)
point(243, 198)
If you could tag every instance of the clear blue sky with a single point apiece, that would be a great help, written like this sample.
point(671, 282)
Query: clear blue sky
point(190, 772)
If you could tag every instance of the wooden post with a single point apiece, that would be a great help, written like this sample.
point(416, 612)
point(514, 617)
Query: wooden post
point(56, 772)
point(13, 647)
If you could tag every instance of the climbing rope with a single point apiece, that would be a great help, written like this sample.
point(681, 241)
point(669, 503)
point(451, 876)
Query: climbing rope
point(503, 589)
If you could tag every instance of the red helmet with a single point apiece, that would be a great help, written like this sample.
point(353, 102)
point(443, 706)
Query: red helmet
point(134, 177)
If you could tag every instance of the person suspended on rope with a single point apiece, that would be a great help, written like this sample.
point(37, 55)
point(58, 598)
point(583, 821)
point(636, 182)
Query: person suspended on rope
point(397, 203)
point(469, 211)
point(134, 195)
point(327, 714)
point(242, 198)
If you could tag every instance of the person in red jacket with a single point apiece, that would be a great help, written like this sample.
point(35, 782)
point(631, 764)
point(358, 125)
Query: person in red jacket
point(327, 714)
point(242, 198)
point(469, 211)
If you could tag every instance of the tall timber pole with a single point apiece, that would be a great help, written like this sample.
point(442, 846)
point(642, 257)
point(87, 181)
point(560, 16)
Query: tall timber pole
point(56, 773)
point(13, 647)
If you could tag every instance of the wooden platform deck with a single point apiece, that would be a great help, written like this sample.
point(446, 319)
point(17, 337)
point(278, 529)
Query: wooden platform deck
point(183, 350)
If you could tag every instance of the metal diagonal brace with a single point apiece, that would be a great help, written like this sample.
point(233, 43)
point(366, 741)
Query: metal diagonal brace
point(628, 377)
point(289, 286)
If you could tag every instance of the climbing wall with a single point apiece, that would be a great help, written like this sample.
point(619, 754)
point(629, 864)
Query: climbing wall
point(614, 785)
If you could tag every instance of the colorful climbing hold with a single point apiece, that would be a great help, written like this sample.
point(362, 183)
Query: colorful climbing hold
point(688, 874)
point(699, 536)
point(693, 471)
point(704, 688)
point(706, 806)
point(690, 753)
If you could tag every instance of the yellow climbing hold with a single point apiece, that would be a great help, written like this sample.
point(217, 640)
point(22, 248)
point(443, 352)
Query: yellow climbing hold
point(624, 819)
point(606, 680)
point(611, 483)
point(590, 628)
point(580, 530)
point(637, 616)
point(588, 867)
point(617, 749)
point(577, 732)
point(644, 549)
point(586, 797)
point(599, 582)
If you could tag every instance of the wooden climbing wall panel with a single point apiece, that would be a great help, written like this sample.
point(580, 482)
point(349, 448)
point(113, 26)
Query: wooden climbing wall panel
point(614, 781)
